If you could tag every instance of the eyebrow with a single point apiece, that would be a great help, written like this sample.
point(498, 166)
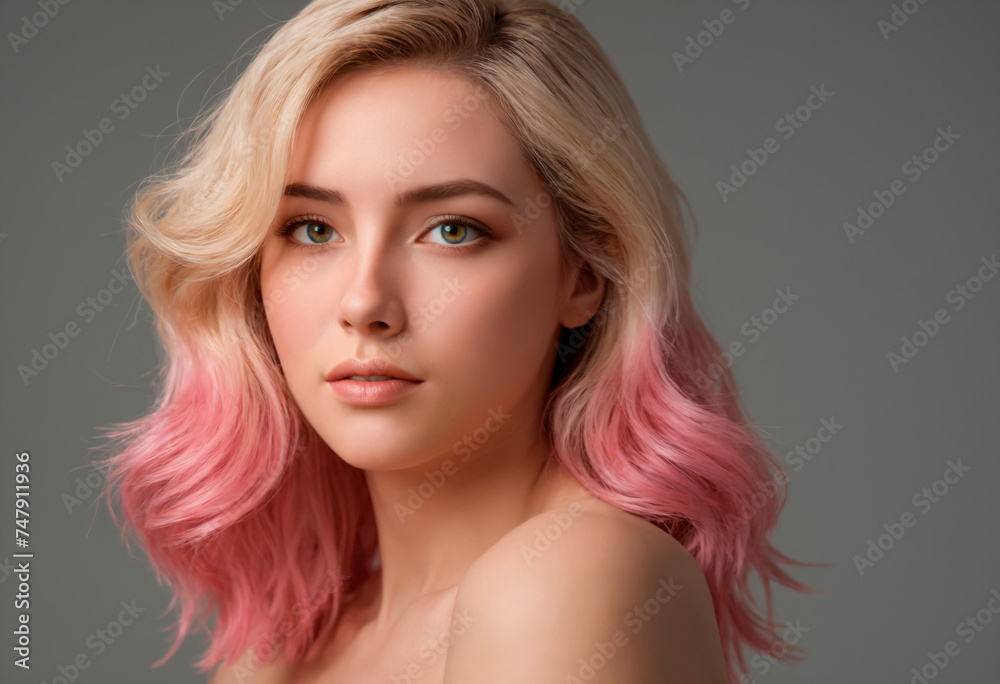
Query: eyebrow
point(465, 186)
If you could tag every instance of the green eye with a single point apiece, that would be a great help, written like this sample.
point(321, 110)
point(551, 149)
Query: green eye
point(308, 231)
point(314, 231)
point(454, 230)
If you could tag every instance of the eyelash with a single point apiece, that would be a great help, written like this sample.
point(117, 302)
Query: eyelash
point(292, 224)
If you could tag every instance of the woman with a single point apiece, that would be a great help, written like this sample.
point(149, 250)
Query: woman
point(436, 403)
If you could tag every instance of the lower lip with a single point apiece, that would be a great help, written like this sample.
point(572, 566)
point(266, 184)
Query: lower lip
point(374, 392)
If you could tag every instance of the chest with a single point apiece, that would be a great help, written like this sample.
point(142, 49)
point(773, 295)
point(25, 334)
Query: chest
point(413, 651)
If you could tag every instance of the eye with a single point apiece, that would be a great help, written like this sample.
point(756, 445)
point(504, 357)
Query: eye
point(455, 230)
point(307, 231)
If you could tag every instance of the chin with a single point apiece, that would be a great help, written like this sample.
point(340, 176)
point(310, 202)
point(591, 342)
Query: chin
point(384, 453)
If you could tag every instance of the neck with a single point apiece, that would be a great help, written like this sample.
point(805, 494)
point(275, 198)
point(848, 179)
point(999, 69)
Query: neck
point(436, 519)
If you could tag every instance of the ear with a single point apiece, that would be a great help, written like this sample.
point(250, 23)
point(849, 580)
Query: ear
point(585, 292)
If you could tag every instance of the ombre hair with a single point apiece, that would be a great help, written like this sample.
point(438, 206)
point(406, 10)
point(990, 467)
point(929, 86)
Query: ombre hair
point(243, 510)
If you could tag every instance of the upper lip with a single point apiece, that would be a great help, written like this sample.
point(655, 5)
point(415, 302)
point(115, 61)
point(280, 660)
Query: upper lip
point(367, 368)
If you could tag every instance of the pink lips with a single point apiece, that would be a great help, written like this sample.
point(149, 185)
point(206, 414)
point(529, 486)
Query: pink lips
point(371, 392)
point(370, 367)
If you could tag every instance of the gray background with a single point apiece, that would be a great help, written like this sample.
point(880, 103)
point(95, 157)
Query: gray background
point(826, 357)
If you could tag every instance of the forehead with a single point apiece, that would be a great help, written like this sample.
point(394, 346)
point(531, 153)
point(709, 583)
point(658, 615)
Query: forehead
point(406, 123)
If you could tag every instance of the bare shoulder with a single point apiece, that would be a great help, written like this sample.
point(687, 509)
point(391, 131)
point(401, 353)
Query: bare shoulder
point(586, 592)
point(247, 669)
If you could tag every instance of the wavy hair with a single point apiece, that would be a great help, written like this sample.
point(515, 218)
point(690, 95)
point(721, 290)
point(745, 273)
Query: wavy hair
point(246, 514)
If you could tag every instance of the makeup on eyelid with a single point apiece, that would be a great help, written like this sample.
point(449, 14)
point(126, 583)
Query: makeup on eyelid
point(288, 229)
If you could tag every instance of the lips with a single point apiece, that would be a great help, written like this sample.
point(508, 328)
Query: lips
point(372, 383)
point(373, 368)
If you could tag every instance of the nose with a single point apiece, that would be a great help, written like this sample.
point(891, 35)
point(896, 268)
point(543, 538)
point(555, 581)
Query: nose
point(370, 303)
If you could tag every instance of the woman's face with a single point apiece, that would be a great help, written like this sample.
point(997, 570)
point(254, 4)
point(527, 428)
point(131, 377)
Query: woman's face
point(395, 255)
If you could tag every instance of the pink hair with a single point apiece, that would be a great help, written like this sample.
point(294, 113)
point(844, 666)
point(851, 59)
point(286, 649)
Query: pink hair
point(662, 441)
point(221, 486)
point(246, 514)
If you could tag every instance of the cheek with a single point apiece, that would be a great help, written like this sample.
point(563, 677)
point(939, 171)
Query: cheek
point(292, 317)
point(504, 317)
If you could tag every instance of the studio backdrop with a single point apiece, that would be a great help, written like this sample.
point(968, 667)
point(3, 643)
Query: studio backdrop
point(842, 160)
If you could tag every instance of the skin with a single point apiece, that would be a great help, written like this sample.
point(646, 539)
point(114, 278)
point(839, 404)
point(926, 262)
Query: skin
point(480, 328)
